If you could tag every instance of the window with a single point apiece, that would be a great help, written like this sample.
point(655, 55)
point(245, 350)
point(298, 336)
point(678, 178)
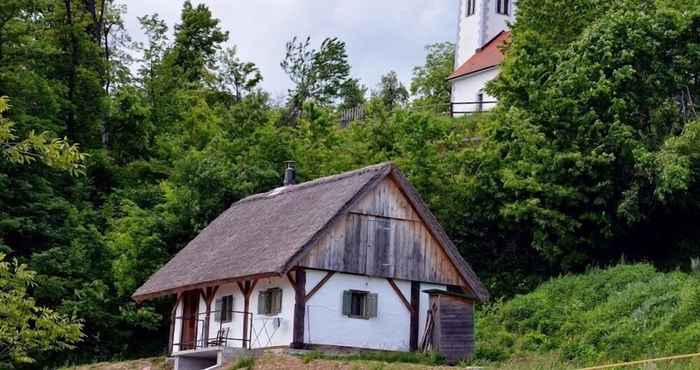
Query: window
point(502, 7)
point(480, 101)
point(471, 7)
point(270, 302)
point(359, 304)
point(224, 309)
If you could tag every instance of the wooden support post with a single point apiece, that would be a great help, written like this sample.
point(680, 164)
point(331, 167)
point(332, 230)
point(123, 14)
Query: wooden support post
point(299, 309)
point(208, 297)
point(247, 290)
point(415, 304)
point(173, 319)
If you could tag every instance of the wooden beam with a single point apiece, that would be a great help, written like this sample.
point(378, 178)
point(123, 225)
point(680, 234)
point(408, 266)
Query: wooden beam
point(291, 278)
point(173, 312)
point(299, 309)
point(209, 296)
point(400, 294)
point(246, 288)
point(415, 305)
point(318, 286)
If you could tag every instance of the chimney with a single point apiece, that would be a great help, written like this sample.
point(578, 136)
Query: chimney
point(289, 174)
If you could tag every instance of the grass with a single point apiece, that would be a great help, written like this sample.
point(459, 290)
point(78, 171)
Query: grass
point(155, 363)
point(245, 362)
point(433, 359)
point(623, 313)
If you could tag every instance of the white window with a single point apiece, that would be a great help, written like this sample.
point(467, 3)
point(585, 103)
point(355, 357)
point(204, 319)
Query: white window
point(224, 309)
point(502, 6)
point(471, 7)
point(270, 302)
point(359, 304)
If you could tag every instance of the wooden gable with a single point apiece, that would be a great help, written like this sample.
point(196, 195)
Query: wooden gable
point(383, 235)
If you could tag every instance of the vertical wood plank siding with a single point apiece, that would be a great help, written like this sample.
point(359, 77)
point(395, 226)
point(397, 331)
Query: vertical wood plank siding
point(383, 236)
point(453, 335)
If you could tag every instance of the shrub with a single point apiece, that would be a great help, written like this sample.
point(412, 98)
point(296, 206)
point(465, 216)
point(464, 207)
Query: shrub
point(621, 313)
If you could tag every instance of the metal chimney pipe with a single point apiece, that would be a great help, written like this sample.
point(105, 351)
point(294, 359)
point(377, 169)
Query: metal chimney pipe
point(289, 174)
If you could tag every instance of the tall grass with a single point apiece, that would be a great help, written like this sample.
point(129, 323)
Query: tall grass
point(623, 313)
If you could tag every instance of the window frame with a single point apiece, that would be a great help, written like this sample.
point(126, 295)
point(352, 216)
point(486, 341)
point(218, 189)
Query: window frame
point(470, 8)
point(267, 297)
point(226, 308)
point(503, 7)
point(367, 300)
point(363, 304)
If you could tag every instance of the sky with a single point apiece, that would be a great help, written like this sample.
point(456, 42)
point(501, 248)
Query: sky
point(380, 35)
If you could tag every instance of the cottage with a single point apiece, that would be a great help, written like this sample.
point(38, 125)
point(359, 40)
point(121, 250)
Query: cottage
point(352, 260)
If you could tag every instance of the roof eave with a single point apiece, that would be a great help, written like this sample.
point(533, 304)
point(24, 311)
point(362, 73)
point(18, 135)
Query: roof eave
point(468, 74)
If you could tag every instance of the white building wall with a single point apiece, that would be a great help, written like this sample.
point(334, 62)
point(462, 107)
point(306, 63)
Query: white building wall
point(467, 89)
point(324, 322)
point(390, 330)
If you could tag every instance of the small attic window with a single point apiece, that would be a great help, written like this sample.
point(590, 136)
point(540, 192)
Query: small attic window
point(502, 6)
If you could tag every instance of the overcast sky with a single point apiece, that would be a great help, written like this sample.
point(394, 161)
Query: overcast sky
point(381, 35)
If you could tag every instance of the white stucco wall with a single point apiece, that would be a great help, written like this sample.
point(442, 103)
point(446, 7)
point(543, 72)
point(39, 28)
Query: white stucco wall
point(467, 88)
point(324, 321)
point(390, 330)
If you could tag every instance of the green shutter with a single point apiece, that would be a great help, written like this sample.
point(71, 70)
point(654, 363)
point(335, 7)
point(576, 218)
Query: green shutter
point(371, 305)
point(276, 301)
point(347, 301)
point(217, 309)
point(262, 310)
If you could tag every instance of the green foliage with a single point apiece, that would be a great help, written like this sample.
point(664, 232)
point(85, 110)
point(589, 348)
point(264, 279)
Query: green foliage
point(245, 362)
point(391, 92)
point(57, 153)
point(430, 359)
point(429, 83)
point(316, 74)
point(623, 313)
point(594, 129)
point(27, 329)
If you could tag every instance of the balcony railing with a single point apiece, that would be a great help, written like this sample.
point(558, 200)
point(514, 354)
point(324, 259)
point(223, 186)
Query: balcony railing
point(471, 107)
point(196, 333)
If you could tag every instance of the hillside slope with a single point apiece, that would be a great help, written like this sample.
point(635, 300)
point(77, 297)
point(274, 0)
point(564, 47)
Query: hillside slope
point(626, 312)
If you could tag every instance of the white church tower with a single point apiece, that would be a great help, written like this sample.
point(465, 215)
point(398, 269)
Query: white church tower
point(482, 29)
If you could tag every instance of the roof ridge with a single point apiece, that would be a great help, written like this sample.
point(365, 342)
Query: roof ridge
point(318, 181)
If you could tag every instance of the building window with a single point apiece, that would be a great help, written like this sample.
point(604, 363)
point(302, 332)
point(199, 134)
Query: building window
point(471, 7)
point(359, 304)
point(480, 101)
point(224, 309)
point(502, 6)
point(270, 302)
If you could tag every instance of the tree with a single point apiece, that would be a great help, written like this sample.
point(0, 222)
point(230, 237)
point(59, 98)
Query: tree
point(391, 92)
point(316, 74)
point(197, 39)
point(58, 153)
point(429, 83)
point(235, 76)
point(352, 94)
point(27, 329)
point(585, 135)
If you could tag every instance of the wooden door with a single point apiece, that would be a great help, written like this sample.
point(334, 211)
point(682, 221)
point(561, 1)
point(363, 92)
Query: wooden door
point(189, 320)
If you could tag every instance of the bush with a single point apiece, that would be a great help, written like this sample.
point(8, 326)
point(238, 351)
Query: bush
point(626, 312)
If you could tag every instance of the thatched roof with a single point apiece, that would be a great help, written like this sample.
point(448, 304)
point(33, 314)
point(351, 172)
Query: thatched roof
point(265, 234)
